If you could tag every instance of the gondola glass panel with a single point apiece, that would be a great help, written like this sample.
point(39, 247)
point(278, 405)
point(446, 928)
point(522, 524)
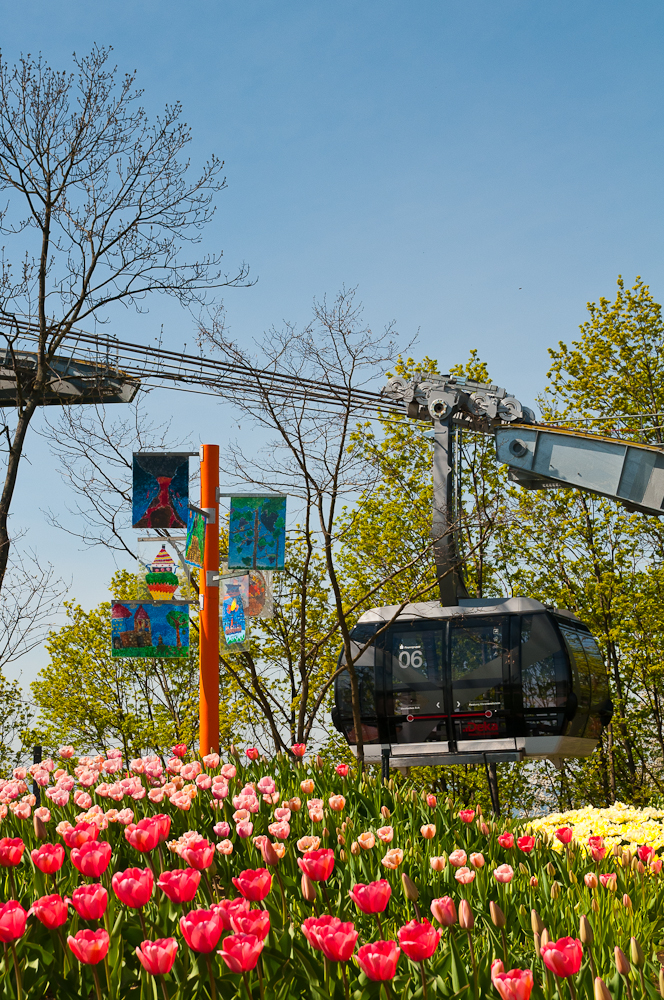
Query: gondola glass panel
point(478, 660)
point(544, 676)
point(415, 695)
point(365, 669)
point(580, 679)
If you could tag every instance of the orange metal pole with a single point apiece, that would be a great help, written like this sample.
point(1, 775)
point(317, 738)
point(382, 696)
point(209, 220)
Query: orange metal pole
point(209, 614)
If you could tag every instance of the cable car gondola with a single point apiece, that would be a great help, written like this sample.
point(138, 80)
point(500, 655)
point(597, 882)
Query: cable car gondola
point(485, 681)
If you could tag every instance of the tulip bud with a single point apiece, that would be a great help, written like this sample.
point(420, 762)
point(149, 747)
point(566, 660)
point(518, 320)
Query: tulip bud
point(466, 918)
point(622, 962)
point(270, 856)
point(40, 827)
point(355, 849)
point(497, 915)
point(600, 990)
point(410, 889)
point(594, 905)
point(585, 931)
point(385, 812)
point(544, 937)
point(341, 840)
point(342, 855)
point(636, 953)
point(234, 750)
point(550, 869)
point(640, 868)
point(538, 844)
point(349, 823)
point(538, 943)
point(545, 837)
point(555, 890)
point(626, 858)
point(523, 869)
point(479, 810)
point(326, 833)
point(536, 922)
point(627, 902)
point(534, 882)
point(572, 878)
point(319, 762)
point(661, 982)
point(308, 889)
point(616, 850)
point(485, 830)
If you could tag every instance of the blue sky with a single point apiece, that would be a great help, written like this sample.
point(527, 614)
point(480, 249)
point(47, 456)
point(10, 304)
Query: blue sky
point(479, 170)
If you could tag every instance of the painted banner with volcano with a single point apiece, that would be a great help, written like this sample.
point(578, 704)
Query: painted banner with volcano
point(140, 629)
point(160, 495)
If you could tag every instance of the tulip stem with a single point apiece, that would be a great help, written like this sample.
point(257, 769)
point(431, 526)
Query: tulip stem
point(345, 979)
point(327, 898)
point(142, 919)
point(474, 962)
point(502, 934)
point(163, 987)
point(213, 986)
point(424, 981)
point(246, 983)
point(19, 984)
point(380, 926)
point(97, 984)
point(573, 991)
point(627, 987)
point(283, 897)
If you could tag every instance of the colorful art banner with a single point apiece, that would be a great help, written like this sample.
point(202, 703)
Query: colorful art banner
point(160, 495)
point(261, 595)
point(195, 544)
point(235, 586)
point(160, 567)
point(140, 629)
point(233, 621)
point(236, 647)
point(257, 533)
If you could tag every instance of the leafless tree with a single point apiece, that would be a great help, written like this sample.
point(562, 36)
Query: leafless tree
point(94, 451)
point(100, 200)
point(309, 456)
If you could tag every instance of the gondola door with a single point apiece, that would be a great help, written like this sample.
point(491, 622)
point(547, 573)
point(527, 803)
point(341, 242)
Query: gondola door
point(478, 681)
point(416, 697)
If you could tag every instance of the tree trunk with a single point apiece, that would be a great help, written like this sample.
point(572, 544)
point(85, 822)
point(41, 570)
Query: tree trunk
point(14, 458)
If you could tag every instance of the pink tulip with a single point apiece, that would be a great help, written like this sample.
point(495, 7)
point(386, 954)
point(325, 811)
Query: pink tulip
point(444, 911)
point(609, 881)
point(591, 880)
point(438, 863)
point(428, 831)
point(464, 876)
point(504, 873)
point(517, 984)
point(458, 858)
point(477, 860)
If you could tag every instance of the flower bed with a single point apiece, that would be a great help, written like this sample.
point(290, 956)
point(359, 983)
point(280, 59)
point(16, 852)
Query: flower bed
point(619, 825)
point(288, 879)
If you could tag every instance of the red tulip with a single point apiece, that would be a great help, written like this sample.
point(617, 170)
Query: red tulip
point(525, 844)
point(144, 835)
point(199, 854)
point(466, 815)
point(338, 943)
point(506, 839)
point(564, 834)
point(256, 922)
point(318, 865)
point(431, 801)
point(371, 898)
point(163, 822)
point(89, 947)
point(342, 769)
point(51, 910)
point(609, 881)
point(444, 911)
point(201, 929)
point(563, 957)
point(252, 753)
point(517, 984)
point(92, 858)
point(645, 853)
point(418, 940)
point(240, 952)
point(178, 885)
point(179, 750)
point(378, 960)
point(81, 834)
point(254, 884)
point(313, 926)
point(133, 887)
point(299, 749)
point(228, 908)
point(11, 851)
point(12, 921)
point(90, 901)
point(157, 957)
point(48, 858)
